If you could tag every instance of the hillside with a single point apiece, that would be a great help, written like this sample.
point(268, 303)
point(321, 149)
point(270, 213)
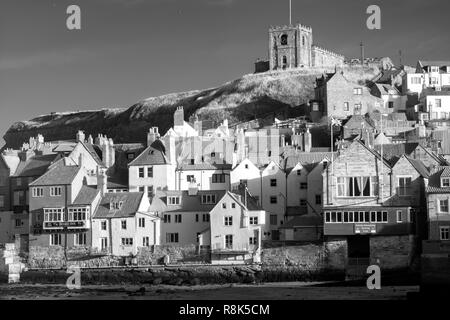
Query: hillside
point(247, 98)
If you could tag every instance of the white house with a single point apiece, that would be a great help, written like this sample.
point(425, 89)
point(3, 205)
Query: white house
point(247, 173)
point(122, 223)
point(206, 176)
point(435, 104)
point(184, 214)
point(236, 227)
point(429, 74)
point(274, 200)
point(151, 171)
point(393, 100)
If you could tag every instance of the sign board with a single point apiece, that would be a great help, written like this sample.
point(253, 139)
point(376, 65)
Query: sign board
point(364, 228)
point(64, 224)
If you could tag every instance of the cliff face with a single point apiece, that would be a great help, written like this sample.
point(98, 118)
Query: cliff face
point(252, 96)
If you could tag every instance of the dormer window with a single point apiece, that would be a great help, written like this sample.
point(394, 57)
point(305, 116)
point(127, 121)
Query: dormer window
point(445, 182)
point(434, 69)
point(209, 199)
point(115, 205)
point(173, 201)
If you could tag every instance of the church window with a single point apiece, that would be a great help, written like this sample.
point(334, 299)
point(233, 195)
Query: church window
point(284, 39)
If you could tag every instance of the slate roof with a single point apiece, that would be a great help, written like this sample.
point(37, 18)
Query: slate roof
point(131, 203)
point(392, 152)
point(419, 166)
point(188, 203)
point(386, 75)
point(58, 174)
point(385, 88)
point(95, 151)
point(86, 195)
point(64, 147)
point(35, 166)
point(205, 166)
point(305, 158)
point(442, 63)
point(249, 202)
point(307, 220)
point(150, 156)
point(119, 179)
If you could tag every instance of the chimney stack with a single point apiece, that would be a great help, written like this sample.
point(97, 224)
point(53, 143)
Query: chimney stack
point(152, 136)
point(81, 137)
point(178, 116)
point(102, 180)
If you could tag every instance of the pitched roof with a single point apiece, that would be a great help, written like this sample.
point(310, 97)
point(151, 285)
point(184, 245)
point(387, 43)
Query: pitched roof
point(58, 174)
point(386, 88)
point(119, 179)
point(188, 203)
point(392, 152)
point(150, 156)
point(387, 74)
point(419, 166)
point(94, 150)
point(35, 166)
point(306, 158)
point(86, 195)
point(131, 202)
point(374, 152)
point(437, 63)
point(65, 147)
point(246, 199)
point(205, 166)
point(434, 181)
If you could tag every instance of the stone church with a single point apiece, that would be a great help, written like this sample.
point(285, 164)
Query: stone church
point(292, 47)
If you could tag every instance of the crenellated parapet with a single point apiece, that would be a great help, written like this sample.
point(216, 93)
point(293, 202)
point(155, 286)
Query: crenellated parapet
point(327, 52)
point(290, 26)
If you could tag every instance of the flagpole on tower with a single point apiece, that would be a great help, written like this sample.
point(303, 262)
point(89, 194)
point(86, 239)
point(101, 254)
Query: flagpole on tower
point(290, 12)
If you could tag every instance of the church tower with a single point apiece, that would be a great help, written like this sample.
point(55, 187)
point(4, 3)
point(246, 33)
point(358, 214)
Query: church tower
point(290, 47)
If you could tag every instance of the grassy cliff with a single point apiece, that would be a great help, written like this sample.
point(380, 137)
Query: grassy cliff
point(249, 97)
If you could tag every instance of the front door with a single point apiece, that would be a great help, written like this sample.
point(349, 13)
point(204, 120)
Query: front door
point(104, 243)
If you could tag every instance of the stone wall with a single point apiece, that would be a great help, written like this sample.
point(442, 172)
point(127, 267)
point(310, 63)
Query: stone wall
point(325, 58)
point(393, 252)
point(57, 257)
point(314, 256)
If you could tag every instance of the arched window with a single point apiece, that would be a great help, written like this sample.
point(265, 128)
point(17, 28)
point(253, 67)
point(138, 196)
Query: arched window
point(284, 62)
point(284, 39)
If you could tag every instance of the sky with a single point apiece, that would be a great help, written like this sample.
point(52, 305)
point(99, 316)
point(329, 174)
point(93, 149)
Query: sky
point(129, 50)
